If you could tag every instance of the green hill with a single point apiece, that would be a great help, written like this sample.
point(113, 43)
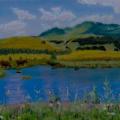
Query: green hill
point(83, 30)
point(63, 47)
point(54, 31)
point(88, 35)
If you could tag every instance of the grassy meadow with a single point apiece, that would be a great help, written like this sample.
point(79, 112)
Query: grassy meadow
point(26, 42)
point(91, 58)
point(90, 55)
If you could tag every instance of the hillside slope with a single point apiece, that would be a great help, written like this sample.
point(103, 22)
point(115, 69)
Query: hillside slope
point(27, 42)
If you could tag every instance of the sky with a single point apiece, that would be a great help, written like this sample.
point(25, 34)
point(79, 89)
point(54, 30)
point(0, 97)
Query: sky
point(31, 17)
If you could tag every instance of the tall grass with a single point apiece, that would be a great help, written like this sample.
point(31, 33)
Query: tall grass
point(2, 73)
point(69, 112)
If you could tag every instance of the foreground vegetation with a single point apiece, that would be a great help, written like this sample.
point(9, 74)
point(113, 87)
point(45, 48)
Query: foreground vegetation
point(64, 112)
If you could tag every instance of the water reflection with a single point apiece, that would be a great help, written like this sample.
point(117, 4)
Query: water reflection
point(13, 89)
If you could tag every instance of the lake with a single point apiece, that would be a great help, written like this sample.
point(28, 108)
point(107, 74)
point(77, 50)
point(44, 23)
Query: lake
point(39, 82)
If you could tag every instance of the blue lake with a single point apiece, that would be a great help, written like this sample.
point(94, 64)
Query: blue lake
point(68, 84)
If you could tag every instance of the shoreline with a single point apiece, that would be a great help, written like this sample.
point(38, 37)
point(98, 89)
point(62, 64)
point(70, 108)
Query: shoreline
point(76, 60)
point(74, 65)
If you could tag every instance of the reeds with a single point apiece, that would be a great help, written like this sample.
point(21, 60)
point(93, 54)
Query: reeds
point(2, 73)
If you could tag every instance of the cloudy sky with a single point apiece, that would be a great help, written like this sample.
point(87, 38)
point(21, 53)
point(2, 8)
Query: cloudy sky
point(31, 17)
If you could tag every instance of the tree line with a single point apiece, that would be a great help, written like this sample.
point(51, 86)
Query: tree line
point(6, 51)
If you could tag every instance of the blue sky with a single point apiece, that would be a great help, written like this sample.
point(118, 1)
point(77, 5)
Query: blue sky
point(31, 17)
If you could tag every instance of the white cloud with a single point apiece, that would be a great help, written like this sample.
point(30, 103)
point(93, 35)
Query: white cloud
point(56, 14)
point(12, 28)
point(115, 4)
point(23, 14)
point(56, 17)
point(48, 18)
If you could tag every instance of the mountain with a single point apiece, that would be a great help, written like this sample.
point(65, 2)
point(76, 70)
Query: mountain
point(85, 29)
point(104, 29)
point(53, 31)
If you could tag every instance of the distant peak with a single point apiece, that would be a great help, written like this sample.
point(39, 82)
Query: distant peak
point(54, 30)
point(88, 22)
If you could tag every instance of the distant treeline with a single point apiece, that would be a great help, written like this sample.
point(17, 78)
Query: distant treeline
point(96, 40)
point(117, 45)
point(56, 41)
point(28, 51)
point(6, 51)
point(92, 48)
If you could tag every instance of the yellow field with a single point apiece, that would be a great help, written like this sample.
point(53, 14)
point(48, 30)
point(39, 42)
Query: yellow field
point(90, 55)
point(27, 43)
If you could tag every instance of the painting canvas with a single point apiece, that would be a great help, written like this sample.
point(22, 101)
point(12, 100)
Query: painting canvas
point(59, 59)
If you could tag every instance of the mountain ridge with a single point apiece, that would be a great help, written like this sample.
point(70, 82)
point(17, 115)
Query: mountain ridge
point(85, 29)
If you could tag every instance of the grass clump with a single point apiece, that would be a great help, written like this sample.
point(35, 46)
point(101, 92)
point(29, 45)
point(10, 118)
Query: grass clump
point(2, 73)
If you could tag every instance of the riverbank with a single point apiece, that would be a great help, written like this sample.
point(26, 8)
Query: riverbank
point(66, 111)
point(76, 59)
point(91, 59)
